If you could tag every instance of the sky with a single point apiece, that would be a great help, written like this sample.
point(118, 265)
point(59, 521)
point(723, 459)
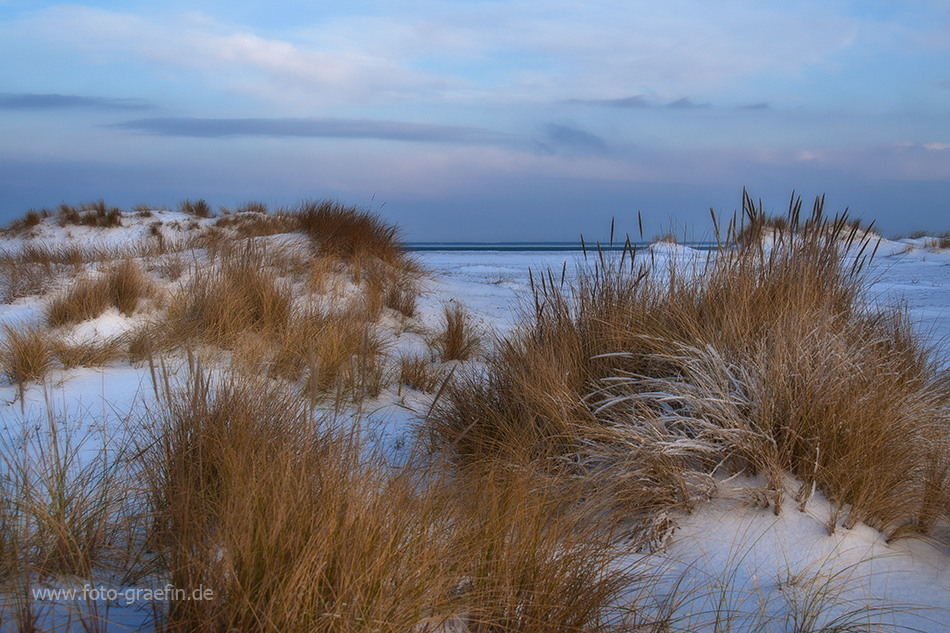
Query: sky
point(483, 120)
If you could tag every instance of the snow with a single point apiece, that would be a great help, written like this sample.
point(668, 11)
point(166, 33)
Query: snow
point(757, 554)
point(733, 557)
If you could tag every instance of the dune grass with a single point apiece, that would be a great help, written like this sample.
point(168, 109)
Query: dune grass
point(67, 514)
point(353, 235)
point(88, 352)
point(94, 214)
point(121, 287)
point(33, 268)
point(418, 372)
point(335, 352)
point(26, 353)
point(295, 524)
point(457, 338)
point(760, 359)
point(198, 208)
point(238, 295)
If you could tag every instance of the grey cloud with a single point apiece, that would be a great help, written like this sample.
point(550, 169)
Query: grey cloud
point(574, 138)
point(314, 128)
point(637, 101)
point(687, 104)
point(27, 101)
point(945, 84)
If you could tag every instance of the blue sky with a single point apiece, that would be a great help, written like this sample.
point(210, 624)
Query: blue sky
point(473, 120)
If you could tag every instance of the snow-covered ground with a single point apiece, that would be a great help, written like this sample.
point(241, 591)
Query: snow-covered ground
point(754, 558)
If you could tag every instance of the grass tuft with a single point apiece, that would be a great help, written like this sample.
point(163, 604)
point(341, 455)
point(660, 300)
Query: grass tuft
point(198, 208)
point(763, 360)
point(354, 236)
point(420, 373)
point(27, 355)
point(30, 219)
point(121, 287)
point(287, 521)
point(336, 353)
point(457, 339)
point(236, 296)
point(87, 353)
point(95, 214)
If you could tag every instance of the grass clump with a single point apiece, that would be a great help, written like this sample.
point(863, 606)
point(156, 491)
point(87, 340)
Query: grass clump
point(254, 221)
point(27, 355)
point(938, 242)
point(539, 554)
point(420, 373)
point(287, 521)
point(334, 352)
point(198, 208)
point(23, 278)
point(95, 214)
point(457, 339)
point(238, 295)
point(351, 235)
point(401, 295)
point(30, 219)
point(86, 298)
point(87, 353)
point(121, 287)
point(294, 524)
point(761, 359)
point(31, 269)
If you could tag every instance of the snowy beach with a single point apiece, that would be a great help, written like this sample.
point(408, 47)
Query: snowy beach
point(732, 556)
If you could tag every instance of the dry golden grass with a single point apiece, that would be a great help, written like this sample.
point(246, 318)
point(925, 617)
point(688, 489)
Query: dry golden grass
point(323, 275)
point(172, 266)
point(252, 220)
point(354, 236)
point(127, 285)
point(198, 208)
point(121, 287)
point(252, 207)
point(23, 279)
point(763, 360)
point(337, 352)
point(399, 287)
point(26, 353)
point(457, 339)
point(86, 298)
point(401, 296)
point(237, 295)
point(88, 353)
point(286, 521)
point(32, 269)
point(755, 225)
point(648, 385)
point(65, 515)
point(244, 301)
point(89, 214)
point(293, 524)
point(420, 373)
point(539, 551)
point(23, 225)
